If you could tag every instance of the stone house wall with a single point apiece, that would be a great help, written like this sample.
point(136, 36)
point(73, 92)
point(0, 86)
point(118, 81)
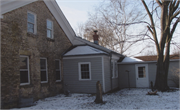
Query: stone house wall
point(16, 41)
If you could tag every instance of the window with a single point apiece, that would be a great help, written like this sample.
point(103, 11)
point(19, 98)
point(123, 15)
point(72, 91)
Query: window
point(114, 68)
point(58, 72)
point(43, 67)
point(24, 70)
point(49, 29)
point(141, 72)
point(31, 22)
point(85, 71)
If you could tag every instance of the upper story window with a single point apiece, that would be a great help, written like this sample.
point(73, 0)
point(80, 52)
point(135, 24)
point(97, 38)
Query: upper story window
point(31, 22)
point(84, 71)
point(49, 29)
point(43, 67)
point(24, 70)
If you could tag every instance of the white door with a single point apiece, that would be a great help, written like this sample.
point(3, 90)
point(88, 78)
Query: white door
point(142, 79)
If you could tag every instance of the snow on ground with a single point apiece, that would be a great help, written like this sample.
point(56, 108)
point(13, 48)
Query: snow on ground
point(123, 99)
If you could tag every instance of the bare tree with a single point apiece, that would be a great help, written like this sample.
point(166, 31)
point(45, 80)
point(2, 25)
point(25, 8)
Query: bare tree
point(106, 35)
point(106, 19)
point(169, 20)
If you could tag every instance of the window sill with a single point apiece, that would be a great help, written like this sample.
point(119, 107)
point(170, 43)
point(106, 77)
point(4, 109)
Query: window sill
point(50, 39)
point(29, 34)
point(44, 82)
point(24, 84)
point(58, 80)
point(84, 79)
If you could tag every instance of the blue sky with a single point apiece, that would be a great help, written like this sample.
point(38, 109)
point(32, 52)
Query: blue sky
point(76, 11)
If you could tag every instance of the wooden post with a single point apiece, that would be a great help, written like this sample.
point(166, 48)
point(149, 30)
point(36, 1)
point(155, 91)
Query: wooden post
point(98, 93)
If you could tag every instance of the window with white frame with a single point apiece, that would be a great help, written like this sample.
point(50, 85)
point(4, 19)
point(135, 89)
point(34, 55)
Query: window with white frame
point(24, 70)
point(84, 71)
point(58, 70)
point(49, 29)
point(43, 67)
point(31, 22)
point(114, 68)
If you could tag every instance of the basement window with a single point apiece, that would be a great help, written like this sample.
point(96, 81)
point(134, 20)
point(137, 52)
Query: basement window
point(24, 70)
point(31, 22)
point(58, 70)
point(84, 71)
point(43, 67)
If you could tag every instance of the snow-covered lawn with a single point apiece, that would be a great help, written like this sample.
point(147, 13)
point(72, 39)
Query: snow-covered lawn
point(123, 99)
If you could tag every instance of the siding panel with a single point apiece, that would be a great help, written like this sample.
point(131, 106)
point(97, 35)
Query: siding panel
point(123, 76)
point(71, 75)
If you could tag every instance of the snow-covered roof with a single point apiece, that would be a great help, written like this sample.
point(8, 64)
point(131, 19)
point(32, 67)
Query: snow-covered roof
point(131, 59)
point(80, 41)
point(84, 50)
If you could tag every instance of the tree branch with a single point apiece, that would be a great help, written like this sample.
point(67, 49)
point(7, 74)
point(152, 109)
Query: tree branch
point(150, 30)
point(134, 23)
point(177, 13)
point(152, 24)
point(160, 4)
point(174, 27)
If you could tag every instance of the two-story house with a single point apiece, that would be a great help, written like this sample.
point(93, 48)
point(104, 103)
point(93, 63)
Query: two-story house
point(34, 35)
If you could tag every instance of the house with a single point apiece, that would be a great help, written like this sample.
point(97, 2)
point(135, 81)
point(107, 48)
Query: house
point(39, 48)
point(140, 71)
point(41, 57)
point(89, 63)
point(34, 35)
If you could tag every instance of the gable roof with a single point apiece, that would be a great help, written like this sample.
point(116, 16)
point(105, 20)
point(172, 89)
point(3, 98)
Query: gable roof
point(84, 50)
point(9, 5)
point(154, 57)
point(80, 41)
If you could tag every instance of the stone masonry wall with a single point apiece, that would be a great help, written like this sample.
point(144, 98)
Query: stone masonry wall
point(16, 41)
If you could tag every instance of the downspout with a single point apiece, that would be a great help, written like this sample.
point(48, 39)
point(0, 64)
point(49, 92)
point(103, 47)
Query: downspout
point(111, 69)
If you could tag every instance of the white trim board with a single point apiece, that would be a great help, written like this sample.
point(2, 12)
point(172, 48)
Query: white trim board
point(79, 68)
point(103, 77)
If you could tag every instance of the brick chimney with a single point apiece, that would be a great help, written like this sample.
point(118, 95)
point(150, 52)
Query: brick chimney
point(96, 37)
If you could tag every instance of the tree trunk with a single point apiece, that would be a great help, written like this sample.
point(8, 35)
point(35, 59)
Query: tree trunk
point(169, 11)
point(98, 93)
point(162, 70)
